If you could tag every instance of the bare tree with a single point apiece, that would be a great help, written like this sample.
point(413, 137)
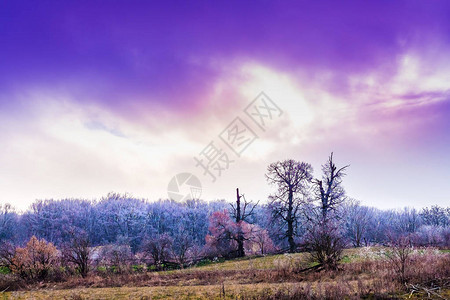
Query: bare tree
point(7, 220)
point(357, 221)
point(7, 253)
point(181, 245)
point(158, 248)
point(399, 253)
point(436, 215)
point(116, 257)
point(329, 190)
point(292, 179)
point(241, 214)
point(78, 252)
point(324, 236)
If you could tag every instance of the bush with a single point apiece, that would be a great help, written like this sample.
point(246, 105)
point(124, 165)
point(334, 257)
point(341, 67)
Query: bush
point(158, 249)
point(325, 244)
point(35, 260)
point(117, 258)
point(400, 255)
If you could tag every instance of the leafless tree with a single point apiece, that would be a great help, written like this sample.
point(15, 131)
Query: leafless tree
point(115, 256)
point(436, 215)
point(7, 253)
point(262, 239)
point(329, 190)
point(181, 245)
point(408, 220)
point(292, 179)
point(324, 238)
point(400, 252)
point(241, 213)
point(358, 219)
point(7, 214)
point(158, 248)
point(78, 252)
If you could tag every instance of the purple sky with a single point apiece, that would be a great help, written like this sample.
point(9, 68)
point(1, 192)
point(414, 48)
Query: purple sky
point(120, 96)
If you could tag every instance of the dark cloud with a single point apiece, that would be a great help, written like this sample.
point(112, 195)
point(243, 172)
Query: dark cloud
point(117, 52)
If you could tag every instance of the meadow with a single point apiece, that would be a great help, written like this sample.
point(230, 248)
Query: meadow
point(362, 273)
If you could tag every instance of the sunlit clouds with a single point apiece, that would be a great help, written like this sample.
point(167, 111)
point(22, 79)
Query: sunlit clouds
point(93, 101)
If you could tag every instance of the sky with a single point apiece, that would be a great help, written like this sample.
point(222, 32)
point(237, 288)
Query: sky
point(102, 96)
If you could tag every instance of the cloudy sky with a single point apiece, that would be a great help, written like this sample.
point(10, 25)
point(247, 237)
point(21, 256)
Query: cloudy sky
point(121, 96)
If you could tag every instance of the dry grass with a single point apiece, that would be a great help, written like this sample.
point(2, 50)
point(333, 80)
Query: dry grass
point(259, 263)
point(303, 290)
point(364, 274)
point(172, 292)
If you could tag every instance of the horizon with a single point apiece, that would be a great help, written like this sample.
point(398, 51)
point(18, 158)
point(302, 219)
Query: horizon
point(228, 201)
point(122, 98)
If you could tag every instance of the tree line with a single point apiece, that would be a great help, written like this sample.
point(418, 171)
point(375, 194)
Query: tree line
point(303, 214)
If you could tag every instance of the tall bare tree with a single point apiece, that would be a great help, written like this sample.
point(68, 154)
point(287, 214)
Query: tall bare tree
point(324, 236)
point(329, 190)
point(241, 213)
point(292, 179)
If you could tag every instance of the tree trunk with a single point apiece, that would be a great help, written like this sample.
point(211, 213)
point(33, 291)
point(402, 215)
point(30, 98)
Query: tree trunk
point(240, 237)
point(290, 223)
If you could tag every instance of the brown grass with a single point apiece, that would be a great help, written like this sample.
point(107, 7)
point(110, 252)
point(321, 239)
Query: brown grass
point(277, 277)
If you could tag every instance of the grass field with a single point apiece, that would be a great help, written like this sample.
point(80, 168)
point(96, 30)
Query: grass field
point(363, 274)
point(166, 292)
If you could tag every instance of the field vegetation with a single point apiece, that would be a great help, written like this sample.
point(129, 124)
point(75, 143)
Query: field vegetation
point(369, 272)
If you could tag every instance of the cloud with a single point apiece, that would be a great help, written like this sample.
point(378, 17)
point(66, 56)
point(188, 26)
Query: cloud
point(121, 98)
point(129, 56)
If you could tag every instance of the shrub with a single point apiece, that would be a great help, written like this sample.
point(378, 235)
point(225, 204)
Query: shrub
point(326, 244)
point(116, 258)
point(399, 255)
point(158, 249)
point(35, 260)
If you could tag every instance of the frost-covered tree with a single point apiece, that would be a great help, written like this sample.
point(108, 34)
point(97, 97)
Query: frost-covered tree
point(358, 221)
point(8, 222)
point(436, 215)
